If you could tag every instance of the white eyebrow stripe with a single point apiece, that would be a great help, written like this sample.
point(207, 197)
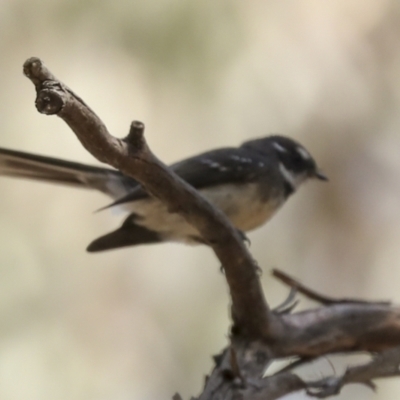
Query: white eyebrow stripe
point(279, 147)
point(305, 155)
point(288, 176)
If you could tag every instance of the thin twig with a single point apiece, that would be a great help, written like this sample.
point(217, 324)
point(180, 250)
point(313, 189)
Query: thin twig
point(313, 295)
point(288, 304)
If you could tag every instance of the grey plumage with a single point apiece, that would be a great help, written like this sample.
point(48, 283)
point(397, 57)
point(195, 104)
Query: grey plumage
point(248, 183)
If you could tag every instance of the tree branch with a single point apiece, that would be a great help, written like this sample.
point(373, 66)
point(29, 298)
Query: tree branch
point(224, 385)
point(133, 157)
point(338, 328)
point(383, 365)
point(313, 295)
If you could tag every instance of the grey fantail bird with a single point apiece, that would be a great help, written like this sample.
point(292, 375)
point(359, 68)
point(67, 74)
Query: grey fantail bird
point(248, 183)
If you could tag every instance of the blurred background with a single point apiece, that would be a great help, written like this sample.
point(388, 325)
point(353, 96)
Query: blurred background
point(142, 323)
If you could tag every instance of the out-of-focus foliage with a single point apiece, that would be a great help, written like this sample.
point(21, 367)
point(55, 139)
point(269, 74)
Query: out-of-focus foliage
point(143, 322)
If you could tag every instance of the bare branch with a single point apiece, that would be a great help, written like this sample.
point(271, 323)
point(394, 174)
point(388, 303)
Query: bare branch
point(383, 365)
point(275, 387)
point(338, 328)
point(313, 295)
point(133, 157)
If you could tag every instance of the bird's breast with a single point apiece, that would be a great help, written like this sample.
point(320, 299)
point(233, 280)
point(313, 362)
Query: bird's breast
point(243, 205)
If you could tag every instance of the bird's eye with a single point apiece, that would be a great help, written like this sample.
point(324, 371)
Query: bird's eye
point(297, 159)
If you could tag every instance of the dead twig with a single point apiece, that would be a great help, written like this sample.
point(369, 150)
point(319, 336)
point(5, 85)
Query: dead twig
point(318, 297)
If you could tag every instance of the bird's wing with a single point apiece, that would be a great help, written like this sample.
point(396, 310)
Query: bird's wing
point(216, 167)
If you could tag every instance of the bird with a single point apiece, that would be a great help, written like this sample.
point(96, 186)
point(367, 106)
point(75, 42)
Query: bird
point(248, 183)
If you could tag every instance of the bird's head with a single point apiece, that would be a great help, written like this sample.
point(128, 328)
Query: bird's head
point(295, 162)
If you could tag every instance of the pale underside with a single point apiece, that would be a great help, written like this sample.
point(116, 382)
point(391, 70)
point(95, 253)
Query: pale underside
point(244, 207)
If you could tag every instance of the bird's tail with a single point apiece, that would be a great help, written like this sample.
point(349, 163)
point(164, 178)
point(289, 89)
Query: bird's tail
point(53, 170)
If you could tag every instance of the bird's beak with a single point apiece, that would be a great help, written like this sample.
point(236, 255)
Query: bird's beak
point(320, 175)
